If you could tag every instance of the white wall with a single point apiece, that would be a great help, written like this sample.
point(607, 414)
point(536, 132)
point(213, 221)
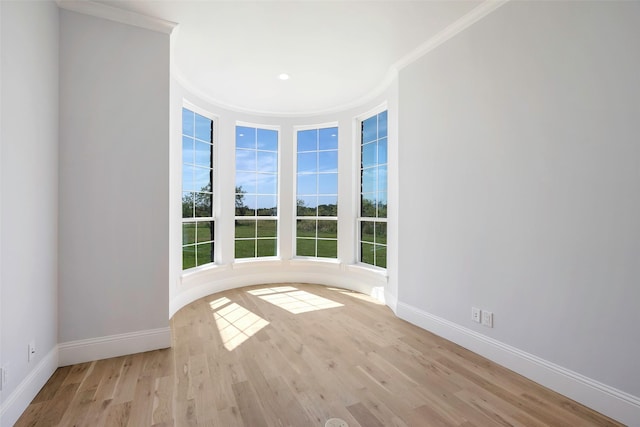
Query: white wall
point(519, 183)
point(29, 190)
point(114, 177)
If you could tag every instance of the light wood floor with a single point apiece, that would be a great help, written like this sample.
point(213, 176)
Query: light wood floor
point(297, 355)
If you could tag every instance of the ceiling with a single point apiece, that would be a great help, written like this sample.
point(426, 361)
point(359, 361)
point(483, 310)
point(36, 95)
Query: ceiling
point(338, 53)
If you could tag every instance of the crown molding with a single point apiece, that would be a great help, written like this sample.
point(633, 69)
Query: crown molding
point(115, 14)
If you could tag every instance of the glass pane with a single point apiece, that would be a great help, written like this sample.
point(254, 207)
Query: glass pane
point(381, 232)
point(306, 228)
point(203, 154)
point(188, 204)
point(267, 139)
point(267, 183)
point(328, 183)
point(245, 160)
point(188, 257)
point(245, 228)
point(369, 155)
point(381, 256)
point(202, 180)
point(267, 247)
point(267, 205)
point(382, 124)
point(382, 178)
point(328, 229)
point(188, 233)
point(307, 162)
point(204, 203)
point(267, 228)
point(187, 149)
point(203, 128)
point(369, 180)
point(382, 205)
point(188, 183)
point(187, 122)
point(246, 204)
point(366, 253)
point(307, 184)
point(306, 247)
point(382, 151)
point(368, 205)
point(306, 206)
point(245, 182)
point(245, 248)
point(367, 229)
point(205, 231)
point(328, 161)
point(245, 137)
point(370, 129)
point(328, 206)
point(204, 253)
point(327, 248)
point(328, 139)
point(267, 161)
point(307, 140)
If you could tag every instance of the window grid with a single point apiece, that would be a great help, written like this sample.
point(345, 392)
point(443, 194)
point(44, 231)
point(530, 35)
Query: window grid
point(198, 225)
point(256, 192)
point(317, 193)
point(372, 221)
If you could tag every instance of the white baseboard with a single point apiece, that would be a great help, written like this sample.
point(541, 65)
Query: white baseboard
point(607, 400)
point(18, 401)
point(81, 351)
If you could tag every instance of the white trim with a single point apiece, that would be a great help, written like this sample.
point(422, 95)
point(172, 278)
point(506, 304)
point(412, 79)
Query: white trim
point(115, 14)
point(13, 407)
point(608, 400)
point(91, 349)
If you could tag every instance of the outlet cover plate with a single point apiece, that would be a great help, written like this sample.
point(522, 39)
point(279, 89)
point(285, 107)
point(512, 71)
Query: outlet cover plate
point(487, 318)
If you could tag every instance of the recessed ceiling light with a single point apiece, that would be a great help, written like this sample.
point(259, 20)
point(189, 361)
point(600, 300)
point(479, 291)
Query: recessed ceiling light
point(284, 76)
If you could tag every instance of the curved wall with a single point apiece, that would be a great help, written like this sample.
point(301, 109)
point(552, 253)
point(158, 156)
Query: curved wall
point(227, 273)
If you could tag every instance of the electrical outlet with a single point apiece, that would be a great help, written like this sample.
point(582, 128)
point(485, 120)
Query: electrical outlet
point(487, 318)
point(31, 351)
point(475, 314)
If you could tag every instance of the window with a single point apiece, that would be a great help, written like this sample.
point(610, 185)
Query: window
point(372, 221)
point(197, 190)
point(256, 219)
point(317, 193)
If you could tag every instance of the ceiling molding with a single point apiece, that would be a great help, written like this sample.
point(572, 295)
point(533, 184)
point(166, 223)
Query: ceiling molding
point(115, 14)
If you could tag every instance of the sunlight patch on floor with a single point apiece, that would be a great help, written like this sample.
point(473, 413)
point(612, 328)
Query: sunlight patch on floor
point(294, 300)
point(235, 323)
point(358, 295)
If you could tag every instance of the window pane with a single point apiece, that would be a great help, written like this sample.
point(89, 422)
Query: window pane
point(267, 162)
point(188, 233)
point(267, 247)
point(203, 154)
point(369, 155)
point(204, 203)
point(245, 160)
point(267, 205)
point(306, 205)
point(267, 184)
point(382, 205)
point(370, 129)
point(366, 253)
point(245, 137)
point(246, 205)
point(307, 162)
point(327, 248)
point(305, 247)
point(368, 205)
point(203, 128)
point(245, 248)
point(382, 125)
point(328, 206)
point(307, 184)
point(367, 229)
point(204, 253)
point(187, 149)
point(205, 231)
point(382, 151)
point(188, 204)
point(328, 229)
point(381, 232)
point(306, 228)
point(382, 178)
point(246, 228)
point(369, 180)
point(328, 161)
point(202, 180)
point(188, 257)
point(267, 228)
point(328, 139)
point(328, 183)
point(267, 139)
point(245, 182)
point(381, 256)
point(308, 140)
point(188, 182)
point(187, 122)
